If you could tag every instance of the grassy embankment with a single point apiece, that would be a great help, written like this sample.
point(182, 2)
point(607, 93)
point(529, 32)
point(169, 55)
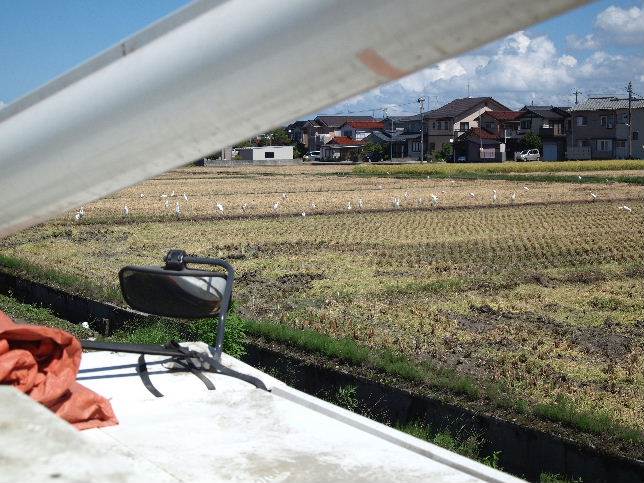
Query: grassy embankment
point(552, 171)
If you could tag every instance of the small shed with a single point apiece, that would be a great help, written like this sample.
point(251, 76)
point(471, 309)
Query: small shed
point(264, 153)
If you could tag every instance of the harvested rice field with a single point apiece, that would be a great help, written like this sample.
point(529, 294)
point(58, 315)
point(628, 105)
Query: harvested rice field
point(535, 285)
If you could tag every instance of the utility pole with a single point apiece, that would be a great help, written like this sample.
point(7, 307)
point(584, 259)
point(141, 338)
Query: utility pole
point(421, 100)
point(576, 93)
point(391, 136)
point(629, 89)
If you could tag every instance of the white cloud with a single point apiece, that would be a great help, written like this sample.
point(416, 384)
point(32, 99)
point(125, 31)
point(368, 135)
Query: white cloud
point(586, 42)
point(622, 25)
point(515, 70)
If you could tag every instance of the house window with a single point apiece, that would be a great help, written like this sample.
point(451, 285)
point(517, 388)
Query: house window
point(490, 126)
point(620, 144)
point(610, 122)
point(623, 118)
point(526, 123)
point(269, 154)
point(434, 125)
point(545, 123)
point(583, 143)
point(605, 145)
point(603, 120)
point(635, 135)
point(465, 126)
point(415, 146)
point(581, 120)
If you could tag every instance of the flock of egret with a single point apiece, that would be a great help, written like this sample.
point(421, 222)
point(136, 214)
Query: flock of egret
point(396, 203)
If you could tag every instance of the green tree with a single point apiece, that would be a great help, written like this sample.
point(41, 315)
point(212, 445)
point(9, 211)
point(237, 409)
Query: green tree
point(278, 137)
point(531, 141)
point(373, 151)
point(444, 153)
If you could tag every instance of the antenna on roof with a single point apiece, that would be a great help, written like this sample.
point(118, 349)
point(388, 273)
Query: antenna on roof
point(468, 89)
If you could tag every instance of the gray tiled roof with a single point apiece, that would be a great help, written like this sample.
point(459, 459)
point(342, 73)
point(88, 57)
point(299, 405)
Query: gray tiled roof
point(387, 136)
point(459, 106)
point(337, 121)
point(601, 103)
point(548, 113)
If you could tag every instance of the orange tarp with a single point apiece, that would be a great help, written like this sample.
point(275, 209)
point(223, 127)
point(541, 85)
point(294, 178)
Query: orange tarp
point(43, 362)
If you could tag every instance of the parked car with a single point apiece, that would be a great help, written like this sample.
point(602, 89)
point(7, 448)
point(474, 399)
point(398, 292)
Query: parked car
point(529, 155)
point(312, 156)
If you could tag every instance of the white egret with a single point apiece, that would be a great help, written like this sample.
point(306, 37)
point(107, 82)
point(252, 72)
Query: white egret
point(434, 199)
point(172, 194)
point(494, 198)
point(579, 177)
point(167, 204)
point(185, 197)
point(244, 206)
point(284, 196)
point(164, 195)
point(349, 205)
point(313, 206)
point(177, 210)
point(276, 206)
point(220, 207)
point(513, 197)
point(304, 213)
point(77, 216)
point(472, 195)
point(126, 211)
point(360, 204)
point(625, 208)
point(593, 196)
point(141, 195)
point(526, 188)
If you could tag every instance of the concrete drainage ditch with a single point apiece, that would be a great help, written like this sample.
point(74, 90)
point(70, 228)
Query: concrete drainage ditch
point(523, 451)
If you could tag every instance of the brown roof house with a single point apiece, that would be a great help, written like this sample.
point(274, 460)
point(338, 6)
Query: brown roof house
point(341, 148)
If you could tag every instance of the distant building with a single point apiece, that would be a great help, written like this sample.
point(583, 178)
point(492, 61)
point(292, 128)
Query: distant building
point(359, 130)
point(316, 132)
point(549, 123)
point(599, 129)
point(398, 143)
point(443, 125)
point(264, 153)
point(341, 148)
point(479, 145)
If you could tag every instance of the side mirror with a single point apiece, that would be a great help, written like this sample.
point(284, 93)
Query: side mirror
point(178, 291)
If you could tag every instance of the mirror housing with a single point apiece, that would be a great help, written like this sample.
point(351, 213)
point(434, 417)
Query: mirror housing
point(186, 294)
point(178, 291)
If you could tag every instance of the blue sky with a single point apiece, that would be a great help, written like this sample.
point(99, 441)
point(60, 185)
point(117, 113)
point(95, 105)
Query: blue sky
point(596, 49)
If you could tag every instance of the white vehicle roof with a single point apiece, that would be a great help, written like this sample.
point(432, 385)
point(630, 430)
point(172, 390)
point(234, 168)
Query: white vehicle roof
point(233, 433)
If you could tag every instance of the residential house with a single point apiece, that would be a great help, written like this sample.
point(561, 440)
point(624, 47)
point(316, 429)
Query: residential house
point(446, 123)
point(396, 144)
point(359, 130)
point(549, 123)
point(295, 131)
point(443, 125)
point(479, 145)
point(318, 131)
point(505, 125)
point(341, 148)
point(599, 129)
